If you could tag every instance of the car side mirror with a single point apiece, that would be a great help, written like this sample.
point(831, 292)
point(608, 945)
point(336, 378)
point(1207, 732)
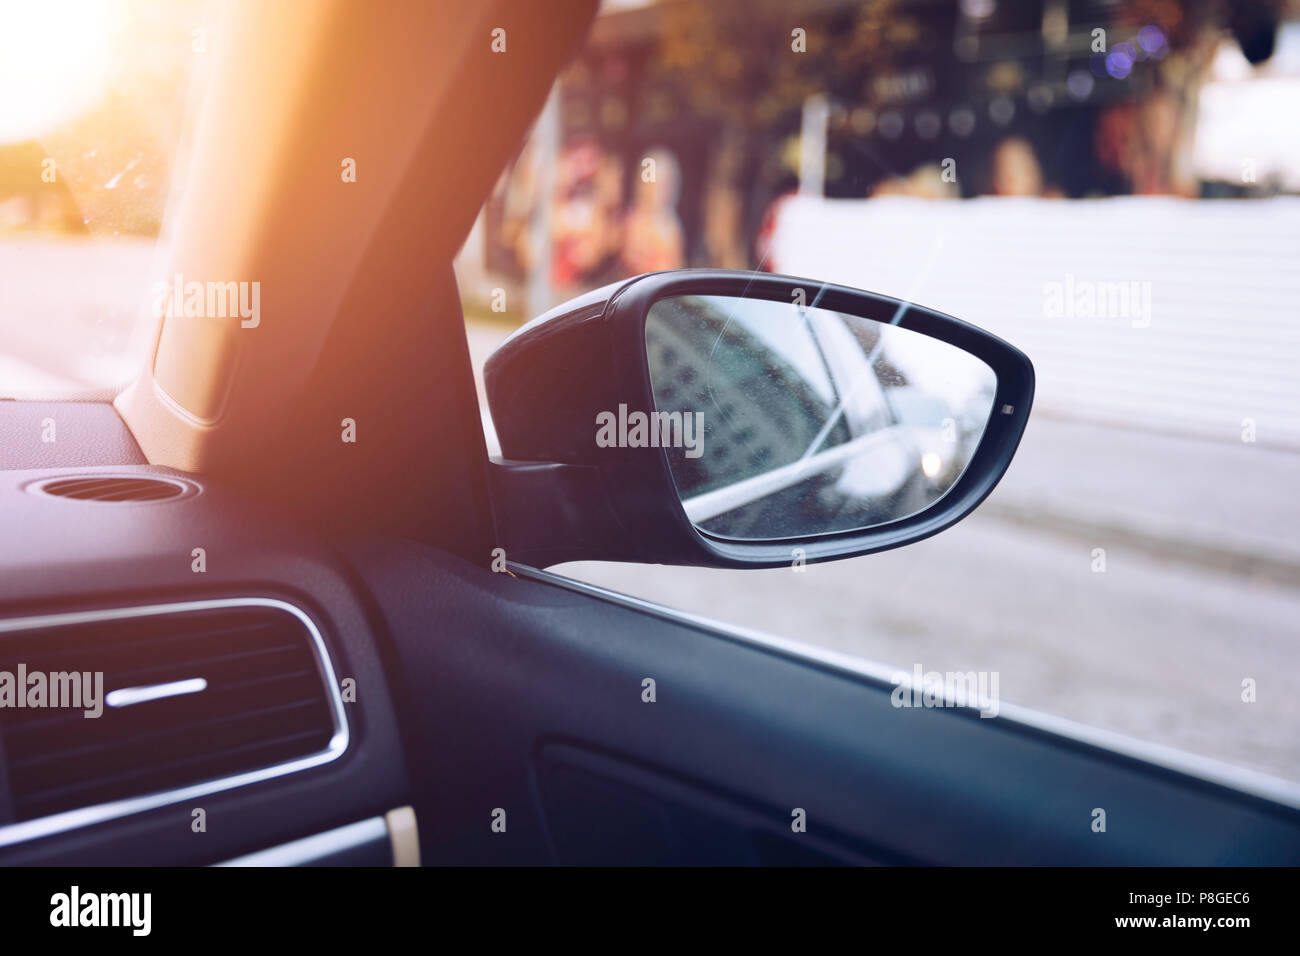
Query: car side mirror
point(737, 419)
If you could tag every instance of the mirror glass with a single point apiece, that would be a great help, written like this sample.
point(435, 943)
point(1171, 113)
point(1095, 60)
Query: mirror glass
point(785, 421)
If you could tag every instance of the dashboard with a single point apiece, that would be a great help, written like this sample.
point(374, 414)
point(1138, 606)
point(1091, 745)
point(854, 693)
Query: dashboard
point(244, 710)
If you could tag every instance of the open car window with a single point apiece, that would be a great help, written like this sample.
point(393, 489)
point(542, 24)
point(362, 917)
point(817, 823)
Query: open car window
point(1112, 189)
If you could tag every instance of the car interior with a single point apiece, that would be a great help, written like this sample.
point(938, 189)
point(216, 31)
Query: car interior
point(323, 614)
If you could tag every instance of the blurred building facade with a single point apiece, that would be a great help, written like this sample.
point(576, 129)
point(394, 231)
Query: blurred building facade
point(675, 138)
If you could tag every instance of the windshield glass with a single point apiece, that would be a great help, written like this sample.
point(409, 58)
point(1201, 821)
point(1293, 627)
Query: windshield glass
point(93, 97)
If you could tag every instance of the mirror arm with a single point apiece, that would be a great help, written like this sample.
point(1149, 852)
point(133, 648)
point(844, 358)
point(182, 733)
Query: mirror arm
point(547, 513)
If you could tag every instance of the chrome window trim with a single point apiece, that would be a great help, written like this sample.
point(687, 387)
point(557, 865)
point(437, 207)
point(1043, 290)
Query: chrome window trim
point(1251, 782)
point(25, 830)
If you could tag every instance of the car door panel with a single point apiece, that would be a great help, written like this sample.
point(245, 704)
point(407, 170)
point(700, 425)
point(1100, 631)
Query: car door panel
point(531, 693)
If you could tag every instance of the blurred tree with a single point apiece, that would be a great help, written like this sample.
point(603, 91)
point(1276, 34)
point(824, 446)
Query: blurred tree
point(749, 65)
point(1150, 138)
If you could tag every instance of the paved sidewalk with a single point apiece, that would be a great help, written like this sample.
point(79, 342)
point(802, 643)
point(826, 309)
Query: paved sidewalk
point(1230, 506)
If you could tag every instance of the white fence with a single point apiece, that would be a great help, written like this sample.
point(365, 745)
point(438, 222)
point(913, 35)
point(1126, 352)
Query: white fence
point(1182, 316)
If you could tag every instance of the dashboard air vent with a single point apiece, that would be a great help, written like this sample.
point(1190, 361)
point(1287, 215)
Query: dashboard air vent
point(210, 694)
point(115, 488)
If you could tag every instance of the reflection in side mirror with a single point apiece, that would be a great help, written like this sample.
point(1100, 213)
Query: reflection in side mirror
point(708, 417)
point(814, 421)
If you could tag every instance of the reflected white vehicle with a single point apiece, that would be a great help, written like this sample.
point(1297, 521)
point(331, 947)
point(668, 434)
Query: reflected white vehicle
point(812, 418)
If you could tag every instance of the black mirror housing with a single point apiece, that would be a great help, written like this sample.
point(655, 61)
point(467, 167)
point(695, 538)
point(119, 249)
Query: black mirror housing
point(560, 496)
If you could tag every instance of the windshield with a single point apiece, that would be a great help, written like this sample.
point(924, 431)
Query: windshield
point(93, 98)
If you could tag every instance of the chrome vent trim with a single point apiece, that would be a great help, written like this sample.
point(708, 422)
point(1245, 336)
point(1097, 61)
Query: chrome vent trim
point(310, 850)
point(25, 830)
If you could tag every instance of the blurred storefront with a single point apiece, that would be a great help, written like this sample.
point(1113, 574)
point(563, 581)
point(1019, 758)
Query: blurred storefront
point(684, 126)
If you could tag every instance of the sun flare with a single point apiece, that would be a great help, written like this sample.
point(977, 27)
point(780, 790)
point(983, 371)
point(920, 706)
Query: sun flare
point(53, 63)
